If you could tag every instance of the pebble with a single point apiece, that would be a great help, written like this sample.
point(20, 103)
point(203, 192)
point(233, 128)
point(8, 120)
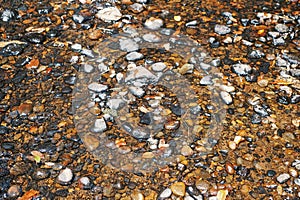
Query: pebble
point(109, 14)
point(165, 194)
point(140, 134)
point(88, 68)
point(95, 35)
point(186, 69)
point(115, 104)
point(128, 45)
point(137, 91)
point(222, 29)
point(14, 191)
point(12, 50)
point(133, 56)
point(282, 28)
point(158, 67)
point(278, 41)
point(3, 130)
point(136, 7)
point(40, 174)
point(229, 168)
point(8, 15)
point(256, 54)
point(97, 87)
point(140, 76)
point(282, 178)
point(187, 151)
point(76, 47)
point(206, 80)
point(154, 23)
point(150, 37)
point(241, 69)
point(137, 196)
point(172, 125)
point(84, 182)
point(297, 181)
point(35, 38)
point(65, 177)
point(99, 126)
point(226, 97)
point(78, 18)
point(271, 173)
point(178, 188)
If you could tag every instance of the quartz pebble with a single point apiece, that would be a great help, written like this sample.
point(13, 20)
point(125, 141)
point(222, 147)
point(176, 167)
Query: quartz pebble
point(158, 67)
point(133, 56)
point(226, 97)
point(65, 177)
point(109, 14)
point(154, 23)
point(97, 87)
point(241, 69)
point(99, 126)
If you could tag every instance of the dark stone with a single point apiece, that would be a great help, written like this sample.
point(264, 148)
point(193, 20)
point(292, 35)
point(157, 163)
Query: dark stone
point(193, 191)
point(131, 185)
point(22, 61)
point(230, 111)
point(295, 98)
point(19, 76)
point(53, 33)
point(3, 130)
point(255, 119)
point(196, 110)
point(44, 9)
point(71, 80)
point(260, 110)
point(242, 171)
point(283, 100)
point(47, 148)
point(35, 38)
point(12, 50)
point(177, 110)
point(62, 192)
point(40, 174)
point(264, 67)
point(66, 90)
point(146, 118)
point(8, 15)
point(8, 145)
point(244, 22)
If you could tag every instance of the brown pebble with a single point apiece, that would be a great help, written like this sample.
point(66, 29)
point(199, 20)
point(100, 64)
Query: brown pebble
point(178, 188)
point(229, 168)
point(95, 35)
point(33, 64)
point(25, 108)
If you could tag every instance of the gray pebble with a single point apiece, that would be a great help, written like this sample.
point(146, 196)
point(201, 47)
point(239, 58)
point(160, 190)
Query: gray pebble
point(158, 67)
point(132, 56)
point(96, 87)
point(88, 68)
point(128, 45)
point(151, 38)
point(282, 28)
point(99, 126)
point(137, 91)
point(222, 29)
point(278, 41)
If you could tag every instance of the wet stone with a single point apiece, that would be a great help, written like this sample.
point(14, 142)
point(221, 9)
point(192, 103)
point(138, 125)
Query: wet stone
point(12, 50)
point(140, 134)
point(222, 29)
point(154, 23)
point(137, 91)
point(35, 38)
point(65, 177)
point(146, 118)
point(151, 38)
point(256, 54)
point(226, 97)
point(84, 182)
point(241, 69)
point(8, 145)
point(99, 126)
point(133, 56)
point(78, 18)
point(260, 110)
point(282, 178)
point(70, 80)
point(97, 87)
point(22, 61)
point(295, 99)
point(128, 45)
point(158, 67)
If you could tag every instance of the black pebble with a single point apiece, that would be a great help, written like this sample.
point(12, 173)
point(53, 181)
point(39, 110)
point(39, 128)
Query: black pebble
point(176, 109)
point(146, 118)
point(8, 145)
point(35, 38)
point(3, 130)
point(22, 61)
point(271, 173)
point(62, 193)
point(283, 100)
point(19, 76)
point(12, 50)
point(255, 119)
point(242, 171)
point(264, 68)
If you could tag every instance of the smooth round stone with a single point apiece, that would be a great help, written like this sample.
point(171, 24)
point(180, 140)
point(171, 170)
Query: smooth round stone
point(128, 45)
point(88, 68)
point(84, 182)
point(229, 168)
point(132, 56)
point(99, 126)
point(222, 29)
point(158, 67)
point(166, 193)
point(76, 47)
point(151, 38)
point(65, 177)
point(186, 68)
point(178, 188)
point(154, 23)
point(14, 191)
point(137, 7)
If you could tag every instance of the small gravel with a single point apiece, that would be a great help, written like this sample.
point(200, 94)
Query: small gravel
point(222, 29)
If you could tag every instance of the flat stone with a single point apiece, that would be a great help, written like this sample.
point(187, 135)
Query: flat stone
point(109, 14)
point(128, 45)
point(133, 56)
point(115, 103)
point(97, 87)
point(187, 68)
point(137, 91)
point(178, 188)
point(140, 75)
point(65, 177)
point(158, 67)
point(222, 29)
point(140, 134)
point(282, 28)
point(226, 97)
point(150, 37)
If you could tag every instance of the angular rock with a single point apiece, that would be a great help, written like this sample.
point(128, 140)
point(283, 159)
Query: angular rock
point(109, 14)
